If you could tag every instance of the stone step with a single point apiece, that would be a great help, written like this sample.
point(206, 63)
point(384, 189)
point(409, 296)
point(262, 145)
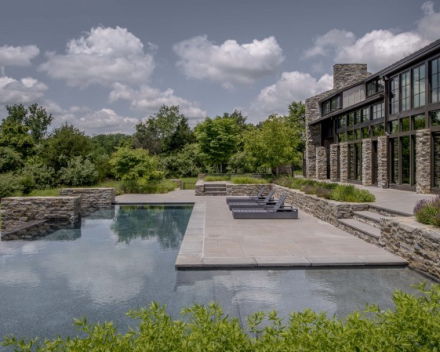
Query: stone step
point(215, 188)
point(368, 217)
point(361, 229)
point(215, 193)
point(387, 212)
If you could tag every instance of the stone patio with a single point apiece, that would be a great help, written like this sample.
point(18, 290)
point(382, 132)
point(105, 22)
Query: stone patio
point(215, 240)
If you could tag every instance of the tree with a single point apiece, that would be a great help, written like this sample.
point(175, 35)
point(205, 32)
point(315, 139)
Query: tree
point(165, 131)
point(16, 136)
point(133, 164)
point(63, 144)
point(218, 139)
point(274, 144)
point(297, 120)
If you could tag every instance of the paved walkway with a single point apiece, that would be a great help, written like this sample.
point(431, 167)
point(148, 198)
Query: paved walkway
point(215, 240)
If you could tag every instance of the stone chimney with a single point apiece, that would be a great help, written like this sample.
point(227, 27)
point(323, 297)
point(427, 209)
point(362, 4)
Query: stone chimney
point(347, 74)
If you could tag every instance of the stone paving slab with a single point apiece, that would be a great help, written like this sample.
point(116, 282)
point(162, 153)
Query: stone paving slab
point(215, 240)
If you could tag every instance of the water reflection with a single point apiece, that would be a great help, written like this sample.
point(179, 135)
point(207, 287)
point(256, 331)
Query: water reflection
point(146, 222)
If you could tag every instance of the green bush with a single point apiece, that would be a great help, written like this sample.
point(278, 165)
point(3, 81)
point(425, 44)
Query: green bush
point(79, 172)
point(43, 175)
point(132, 164)
point(10, 160)
point(216, 178)
point(328, 190)
point(248, 180)
point(10, 185)
point(147, 186)
point(414, 325)
point(427, 211)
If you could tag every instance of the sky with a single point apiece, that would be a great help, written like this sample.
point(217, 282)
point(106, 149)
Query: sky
point(106, 65)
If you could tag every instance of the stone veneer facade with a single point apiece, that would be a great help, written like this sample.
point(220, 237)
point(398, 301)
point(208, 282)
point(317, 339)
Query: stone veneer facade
point(367, 162)
point(345, 75)
point(382, 161)
point(334, 164)
point(321, 163)
point(91, 197)
point(423, 161)
point(343, 162)
point(17, 211)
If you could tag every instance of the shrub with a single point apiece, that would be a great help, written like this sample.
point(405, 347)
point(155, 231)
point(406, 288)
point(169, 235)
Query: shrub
point(349, 193)
point(147, 186)
point(323, 192)
point(43, 175)
point(79, 172)
point(132, 164)
point(248, 180)
point(27, 184)
point(9, 185)
point(216, 178)
point(427, 211)
point(414, 325)
point(10, 160)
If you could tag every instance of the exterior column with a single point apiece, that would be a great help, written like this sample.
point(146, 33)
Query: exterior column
point(334, 162)
point(321, 163)
point(382, 162)
point(423, 161)
point(367, 162)
point(344, 162)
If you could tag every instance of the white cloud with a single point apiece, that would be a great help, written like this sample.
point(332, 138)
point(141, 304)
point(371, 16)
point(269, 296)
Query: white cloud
point(18, 55)
point(229, 63)
point(148, 100)
point(378, 48)
point(292, 86)
point(25, 91)
point(102, 56)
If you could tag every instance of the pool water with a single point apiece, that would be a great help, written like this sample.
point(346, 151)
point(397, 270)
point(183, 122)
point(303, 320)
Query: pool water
point(123, 258)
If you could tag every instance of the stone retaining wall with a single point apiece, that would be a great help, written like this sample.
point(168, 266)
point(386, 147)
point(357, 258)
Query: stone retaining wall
point(91, 197)
point(417, 243)
point(321, 163)
point(245, 190)
point(17, 211)
point(200, 187)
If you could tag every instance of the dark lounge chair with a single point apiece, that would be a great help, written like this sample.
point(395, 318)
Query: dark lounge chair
point(255, 202)
point(277, 212)
point(259, 196)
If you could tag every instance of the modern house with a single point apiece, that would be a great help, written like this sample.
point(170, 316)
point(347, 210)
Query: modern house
point(379, 129)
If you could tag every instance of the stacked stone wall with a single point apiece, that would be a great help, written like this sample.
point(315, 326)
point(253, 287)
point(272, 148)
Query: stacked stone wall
point(17, 211)
point(344, 162)
point(417, 243)
point(345, 75)
point(334, 151)
point(367, 162)
point(382, 161)
point(245, 190)
point(200, 187)
point(91, 197)
point(423, 161)
point(321, 163)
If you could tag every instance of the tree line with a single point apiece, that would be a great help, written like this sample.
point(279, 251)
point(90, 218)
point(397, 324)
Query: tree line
point(161, 146)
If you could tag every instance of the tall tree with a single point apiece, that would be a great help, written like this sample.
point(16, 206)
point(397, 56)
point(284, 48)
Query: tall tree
point(218, 139)
point(272, 145)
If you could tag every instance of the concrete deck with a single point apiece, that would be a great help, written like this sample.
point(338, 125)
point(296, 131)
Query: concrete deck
point(215, 240)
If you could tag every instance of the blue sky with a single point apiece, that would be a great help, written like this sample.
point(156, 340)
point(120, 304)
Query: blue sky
point(104, 65)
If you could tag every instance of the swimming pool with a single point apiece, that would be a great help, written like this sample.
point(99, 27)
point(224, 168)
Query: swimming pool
point(123, 258)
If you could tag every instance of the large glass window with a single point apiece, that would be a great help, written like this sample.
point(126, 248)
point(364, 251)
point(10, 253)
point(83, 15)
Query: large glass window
point(435, 81)
point(351, 119)
point(378, 130)
point(365, 132)
point(325, 107)
point(405, 124)
point(419, 122)
point(405, 83)
point(378, 111)
point(342, 121)
point(394, 149)
point(334, 103)
point(419, 86)
point(406, 159)
point(374, 86)
point(342, 137)
point(394, 126)
point(357, 117)
point(353, 96)
point(330, 105)
point(366, 114)
point(394, 94)
point(434, 116)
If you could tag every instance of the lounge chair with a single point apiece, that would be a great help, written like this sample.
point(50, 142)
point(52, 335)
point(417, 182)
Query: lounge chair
point(277, 212)
point(255, 202)
point(259, 196)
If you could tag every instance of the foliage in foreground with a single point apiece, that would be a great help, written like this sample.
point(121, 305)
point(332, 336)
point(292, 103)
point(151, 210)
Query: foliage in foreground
point(427, 211)
point(332, 191)
point(248, 180)
point(414, 325)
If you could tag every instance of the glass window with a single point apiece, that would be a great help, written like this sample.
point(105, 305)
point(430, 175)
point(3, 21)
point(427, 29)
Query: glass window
point(366, 114)
point(435, 81)
point(350, 119)
point(419, 122)
point(394, 149)
point(350, 135)
point(405, 123)
point(434, 116)
point(378, 111)
point(341, 137)
point(405, 83)
point(357, 134)
point(419, 86)
point(326, 107)
point(375, 86)
point(394, 94)
point(357, 117)
point(342, 121)
point(406, 159)
point(378, 130)
point(334, 102)
point(353, 96)
point(394, 126)
point(365, 132)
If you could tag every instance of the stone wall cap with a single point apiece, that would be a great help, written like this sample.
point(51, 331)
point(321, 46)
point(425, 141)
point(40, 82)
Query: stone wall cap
point(86, 189)
point(41, 197)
